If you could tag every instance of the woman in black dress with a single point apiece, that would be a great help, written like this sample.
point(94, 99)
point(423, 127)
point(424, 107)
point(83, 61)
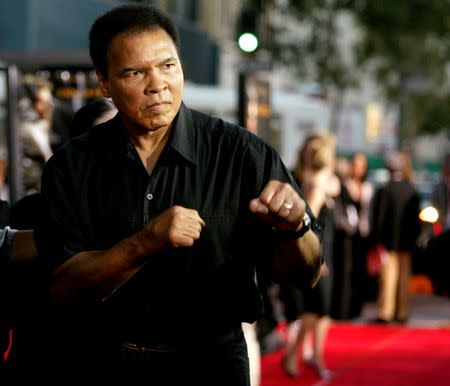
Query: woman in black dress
point(307, 310)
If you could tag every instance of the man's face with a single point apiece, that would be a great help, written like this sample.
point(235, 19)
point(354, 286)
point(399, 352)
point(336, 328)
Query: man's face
point(44, 103)
point(145, 79)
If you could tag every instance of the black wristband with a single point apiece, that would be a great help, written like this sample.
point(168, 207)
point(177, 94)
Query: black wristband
point(306, 226)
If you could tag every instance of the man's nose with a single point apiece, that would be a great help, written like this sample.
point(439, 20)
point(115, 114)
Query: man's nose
point(155, 83)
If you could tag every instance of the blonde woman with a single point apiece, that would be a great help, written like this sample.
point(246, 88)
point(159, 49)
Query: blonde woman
point(307, 311)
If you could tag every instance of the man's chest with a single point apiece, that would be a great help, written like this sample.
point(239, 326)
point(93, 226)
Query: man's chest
point(119, 201)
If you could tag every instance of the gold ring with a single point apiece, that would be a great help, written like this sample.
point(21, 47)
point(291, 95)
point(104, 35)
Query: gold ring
point(288, 205)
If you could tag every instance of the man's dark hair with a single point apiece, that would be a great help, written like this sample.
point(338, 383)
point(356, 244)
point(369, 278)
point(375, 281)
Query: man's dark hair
point(127, 18)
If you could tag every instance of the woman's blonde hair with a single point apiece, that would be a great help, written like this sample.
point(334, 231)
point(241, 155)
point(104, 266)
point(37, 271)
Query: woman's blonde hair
point(317, 152)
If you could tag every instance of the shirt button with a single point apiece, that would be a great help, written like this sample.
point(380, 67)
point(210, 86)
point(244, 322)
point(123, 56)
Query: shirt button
point(149, 196)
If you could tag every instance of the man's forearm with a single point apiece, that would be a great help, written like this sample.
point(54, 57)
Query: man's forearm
point(92, 276)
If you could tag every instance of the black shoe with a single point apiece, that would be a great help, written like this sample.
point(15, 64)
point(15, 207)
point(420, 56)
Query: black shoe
point(379, 321)
point(401, 320)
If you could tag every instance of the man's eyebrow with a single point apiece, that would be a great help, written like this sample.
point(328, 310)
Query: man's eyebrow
point(169, 59)
point(138, 67)
point(128, 70)
point(132, 68)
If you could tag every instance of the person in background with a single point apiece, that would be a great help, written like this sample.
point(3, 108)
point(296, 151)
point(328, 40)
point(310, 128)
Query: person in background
point(36, 129)
point(44, 126)
point(27, 291)
point(156, 221)
point(441, 194)
point(92, 114)
point(438, 245)
point(26, 282)
point(307, 310)
point(396, 226)
point(17, 248)
point(345, 227)
point(361, 193)
point(4, 187)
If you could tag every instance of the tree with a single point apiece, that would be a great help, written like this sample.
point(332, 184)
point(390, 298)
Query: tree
point(406, 45)
point(316, 56)
point(402, 44)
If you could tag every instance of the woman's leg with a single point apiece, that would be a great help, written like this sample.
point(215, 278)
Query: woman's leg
point(296, 337)
point(290, 354)
point(320, 333)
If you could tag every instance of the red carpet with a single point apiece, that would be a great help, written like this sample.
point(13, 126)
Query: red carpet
point(374, 355)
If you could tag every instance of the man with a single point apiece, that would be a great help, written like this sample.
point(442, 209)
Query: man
point(159, 217)
point(396, 227)
point(438, 245)
point(17, 251)
point(36, 128)
point(441, 194)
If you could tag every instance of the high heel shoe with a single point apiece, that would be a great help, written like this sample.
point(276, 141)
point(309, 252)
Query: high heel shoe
point(291, 372)
point(325, 374)
point(310, 362)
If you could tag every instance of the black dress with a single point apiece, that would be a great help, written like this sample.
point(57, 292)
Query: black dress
point(318, 299)
point(343, 268)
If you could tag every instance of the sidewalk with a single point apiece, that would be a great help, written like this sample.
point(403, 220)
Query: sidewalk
point(426, 311)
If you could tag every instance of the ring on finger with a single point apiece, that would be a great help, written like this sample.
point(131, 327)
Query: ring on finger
point(288, 205)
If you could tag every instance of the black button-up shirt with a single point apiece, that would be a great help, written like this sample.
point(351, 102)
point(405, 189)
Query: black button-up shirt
point(97, 192)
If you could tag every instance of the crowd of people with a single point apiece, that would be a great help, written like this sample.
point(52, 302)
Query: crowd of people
point(358, 217)
point(165, 229)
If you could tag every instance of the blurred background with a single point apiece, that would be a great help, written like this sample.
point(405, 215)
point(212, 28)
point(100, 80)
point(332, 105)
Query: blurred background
point(375, 73)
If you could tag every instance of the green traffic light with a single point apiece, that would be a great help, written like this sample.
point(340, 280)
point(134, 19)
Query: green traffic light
point(248, 42)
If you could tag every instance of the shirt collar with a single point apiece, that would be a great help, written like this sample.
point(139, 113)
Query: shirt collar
point(183, 139)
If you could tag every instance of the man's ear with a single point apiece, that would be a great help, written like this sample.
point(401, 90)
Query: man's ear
point(103, 84)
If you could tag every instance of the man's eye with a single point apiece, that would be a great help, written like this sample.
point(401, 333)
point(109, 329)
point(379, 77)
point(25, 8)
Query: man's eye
point(134, 73)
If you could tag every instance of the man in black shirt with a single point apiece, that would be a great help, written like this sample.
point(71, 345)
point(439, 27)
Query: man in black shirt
point(159, 218)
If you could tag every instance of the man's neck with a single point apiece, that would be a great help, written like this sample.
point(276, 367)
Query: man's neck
point(149, 146)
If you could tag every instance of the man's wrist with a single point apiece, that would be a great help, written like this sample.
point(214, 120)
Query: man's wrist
point(305, 226)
